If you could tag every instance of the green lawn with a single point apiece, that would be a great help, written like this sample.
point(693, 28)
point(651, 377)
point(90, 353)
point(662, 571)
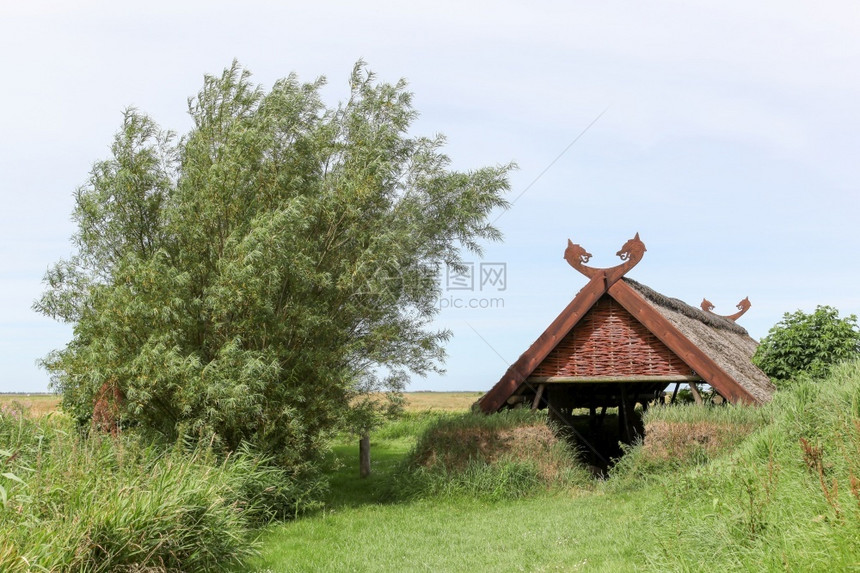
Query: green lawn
point(594, 533)
point(357, 532)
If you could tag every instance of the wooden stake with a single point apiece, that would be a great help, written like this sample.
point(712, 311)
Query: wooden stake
point(364, 456)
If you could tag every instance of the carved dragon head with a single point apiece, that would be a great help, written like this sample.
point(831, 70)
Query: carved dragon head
point(632, 249)
point(575, 254)
point(707, 305)
point(745, 304)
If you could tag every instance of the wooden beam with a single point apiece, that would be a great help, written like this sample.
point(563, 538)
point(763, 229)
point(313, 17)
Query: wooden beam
point(679, 344)
point(675, 393)
point(538, 395)
point(611, 379)
point(624, 414)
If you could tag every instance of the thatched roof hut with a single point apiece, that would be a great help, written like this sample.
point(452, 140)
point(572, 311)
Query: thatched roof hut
point(619, 342)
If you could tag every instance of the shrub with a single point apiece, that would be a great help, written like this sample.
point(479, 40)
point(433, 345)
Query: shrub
point(807, 344)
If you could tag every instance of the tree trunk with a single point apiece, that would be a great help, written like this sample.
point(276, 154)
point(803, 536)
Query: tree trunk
point(364, 456)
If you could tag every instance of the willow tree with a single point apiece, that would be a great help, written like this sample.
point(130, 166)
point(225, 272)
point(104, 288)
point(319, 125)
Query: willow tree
point(251, 278)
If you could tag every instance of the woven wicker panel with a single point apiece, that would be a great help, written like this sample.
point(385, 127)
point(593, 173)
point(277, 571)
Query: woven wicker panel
point(609, 341)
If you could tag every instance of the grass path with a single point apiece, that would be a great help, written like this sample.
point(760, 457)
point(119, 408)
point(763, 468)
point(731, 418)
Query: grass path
point(543, 534)
point(594, 532)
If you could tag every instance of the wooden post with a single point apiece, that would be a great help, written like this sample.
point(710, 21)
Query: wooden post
point(364, 455)
point(623, 424)
point(696, 395)
point(628, 414)
point(675, 393)
point(538, 394)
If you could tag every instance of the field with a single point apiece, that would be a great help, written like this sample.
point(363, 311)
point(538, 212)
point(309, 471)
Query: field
point(34, 404)
point(41, 404)
point(440, 401)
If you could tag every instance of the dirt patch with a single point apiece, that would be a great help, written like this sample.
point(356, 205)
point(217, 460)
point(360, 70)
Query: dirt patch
point(681, 440)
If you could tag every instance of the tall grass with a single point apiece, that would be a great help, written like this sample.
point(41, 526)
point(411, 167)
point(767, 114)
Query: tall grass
point(410, 424)
point(787, 498)
point(102, 503)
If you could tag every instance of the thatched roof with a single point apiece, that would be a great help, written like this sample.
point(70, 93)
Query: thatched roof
point(725, 342)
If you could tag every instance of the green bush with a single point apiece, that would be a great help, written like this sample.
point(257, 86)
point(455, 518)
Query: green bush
point(103, 503)
point(808, 344)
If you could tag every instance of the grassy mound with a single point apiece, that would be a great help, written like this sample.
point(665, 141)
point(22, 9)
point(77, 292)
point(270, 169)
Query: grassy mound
point(785, 497)
point(504, 456)
point(677, 442)
point(680, 436)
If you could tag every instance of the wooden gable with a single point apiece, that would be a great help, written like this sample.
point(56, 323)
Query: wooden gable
point(609, 341)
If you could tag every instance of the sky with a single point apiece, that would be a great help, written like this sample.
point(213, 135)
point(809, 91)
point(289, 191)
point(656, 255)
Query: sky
point(727, 134)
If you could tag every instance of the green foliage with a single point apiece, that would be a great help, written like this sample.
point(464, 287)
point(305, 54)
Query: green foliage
point(808, 344)
point(252, 278)
point(72, 503)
